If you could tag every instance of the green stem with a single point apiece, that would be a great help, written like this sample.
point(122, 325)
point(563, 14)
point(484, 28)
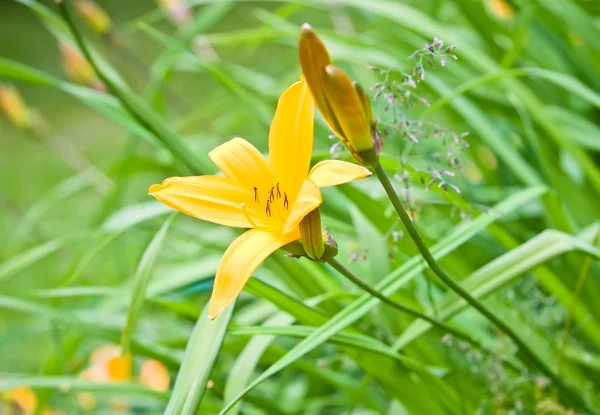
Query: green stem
point(356, 280)
point(137, 108)
point(524, 349)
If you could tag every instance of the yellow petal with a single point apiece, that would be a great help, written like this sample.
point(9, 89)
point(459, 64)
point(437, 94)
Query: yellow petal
point(212, 198)
point(291, 137)
point(240, 260)
point(241, 161)
point(154, 375)
point(333, 172)
point(309, 198)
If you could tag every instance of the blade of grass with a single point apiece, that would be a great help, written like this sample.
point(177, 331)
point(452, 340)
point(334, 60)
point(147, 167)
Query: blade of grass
point(200, 357)
point(141, 281)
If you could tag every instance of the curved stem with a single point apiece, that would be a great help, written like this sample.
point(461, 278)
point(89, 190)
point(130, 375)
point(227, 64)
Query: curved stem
point(356, 280)
point(523, 347)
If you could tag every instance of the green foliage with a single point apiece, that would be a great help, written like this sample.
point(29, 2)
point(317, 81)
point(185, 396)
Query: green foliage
point(510, 210)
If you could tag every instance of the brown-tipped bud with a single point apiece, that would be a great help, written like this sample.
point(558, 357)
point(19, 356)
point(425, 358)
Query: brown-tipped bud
point(77, 67)
point(94, 16)
point(14, 108)
point(344, 105)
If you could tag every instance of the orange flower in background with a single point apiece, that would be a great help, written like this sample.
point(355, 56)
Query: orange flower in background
point(154, 375)
point(270, 197)
point(108, 366)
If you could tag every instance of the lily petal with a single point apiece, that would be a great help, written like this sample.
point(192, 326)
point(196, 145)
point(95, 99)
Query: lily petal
point(333, 172)
point(309, 198)
point(291, 137)
point(240, 260)
point(241, 161)
point(212, 198)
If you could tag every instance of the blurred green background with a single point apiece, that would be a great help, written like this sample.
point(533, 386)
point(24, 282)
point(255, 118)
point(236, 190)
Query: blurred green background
point(524, 86)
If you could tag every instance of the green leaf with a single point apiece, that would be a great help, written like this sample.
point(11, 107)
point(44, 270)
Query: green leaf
point(141, 281)
point(200, 357)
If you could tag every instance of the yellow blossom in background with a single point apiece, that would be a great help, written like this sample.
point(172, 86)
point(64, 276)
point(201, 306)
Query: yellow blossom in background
point(94, 16)
point(154, 375)
point(502, 9)
point(23, 399)
point(343, 104)
point(14, 108)
point(106, 365)
point(178, 10)
point(270, 197)
point(77, 67)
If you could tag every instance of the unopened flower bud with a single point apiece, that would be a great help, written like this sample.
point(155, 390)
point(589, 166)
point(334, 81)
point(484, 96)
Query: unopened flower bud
point(77, 67)
point(318, 245)
point(344, 105)
point(14, 108)
point(501, 9)
point(94, 16)
point(311, 235)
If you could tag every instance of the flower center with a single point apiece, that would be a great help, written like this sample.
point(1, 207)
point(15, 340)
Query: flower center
point(270, 208)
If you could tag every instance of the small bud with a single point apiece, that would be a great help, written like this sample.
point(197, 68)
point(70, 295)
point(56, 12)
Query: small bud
point(14, 108)
point(318, 245)
point(78, 68)
point(179, 12)
point(501, 9)
point(344, 105)
point(94, 16)
point(311, 235)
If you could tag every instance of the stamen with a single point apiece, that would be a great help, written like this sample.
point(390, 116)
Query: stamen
point(285, 201)
point(256, 195)
point(272, 195)
point(268, 209)
point(248, 216)
point(278, 192)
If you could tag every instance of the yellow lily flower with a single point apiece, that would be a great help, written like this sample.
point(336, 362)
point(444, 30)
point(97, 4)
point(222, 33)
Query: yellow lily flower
point(271, 197)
